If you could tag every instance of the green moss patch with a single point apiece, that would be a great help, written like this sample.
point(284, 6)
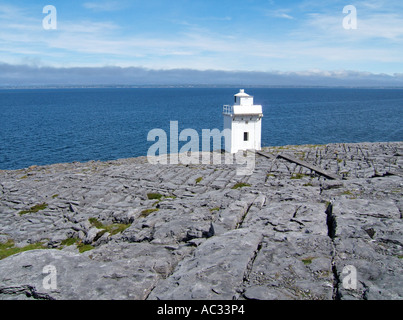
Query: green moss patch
point(159, 197)
point(298, 176)
point(116, 228)
point(111, 228)
point(145, 213)
point(34, 209)
point(307, 184)
point(308, 260)
point(154, 196)
point(8, 249)
point(170, 197)
point(241, 185)
point(84, 247)
point(80, 245)
point(347, 193)
point(350, 194)
point(69, 242)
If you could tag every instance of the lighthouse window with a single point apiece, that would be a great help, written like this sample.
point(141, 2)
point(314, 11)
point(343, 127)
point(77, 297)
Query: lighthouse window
point(246, 136)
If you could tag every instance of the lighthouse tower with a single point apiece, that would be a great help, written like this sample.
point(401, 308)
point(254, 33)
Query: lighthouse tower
point(244, 119)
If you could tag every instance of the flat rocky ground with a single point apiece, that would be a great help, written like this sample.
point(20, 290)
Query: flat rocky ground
point(128, 229)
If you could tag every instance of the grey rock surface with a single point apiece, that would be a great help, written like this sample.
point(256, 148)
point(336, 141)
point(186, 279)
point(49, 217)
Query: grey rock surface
point(128, 229)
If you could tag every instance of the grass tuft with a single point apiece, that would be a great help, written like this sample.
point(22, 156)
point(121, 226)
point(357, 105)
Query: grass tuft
point(154, 196)
point(8, 249)
point(34, 209)
point(111, 228)
point(84, 247)
point(69, 242)
point(145, 213)
point(298, 176)
point(240, 185)
point(308, 261)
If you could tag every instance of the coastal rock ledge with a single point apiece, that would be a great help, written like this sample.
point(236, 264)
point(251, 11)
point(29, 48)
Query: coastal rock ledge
point(128, 229)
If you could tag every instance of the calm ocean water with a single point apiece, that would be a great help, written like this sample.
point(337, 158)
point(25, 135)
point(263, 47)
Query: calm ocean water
point(64, 125)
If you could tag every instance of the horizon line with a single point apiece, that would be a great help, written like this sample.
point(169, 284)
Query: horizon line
point(189, 86)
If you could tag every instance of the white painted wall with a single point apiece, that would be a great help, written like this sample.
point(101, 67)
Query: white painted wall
point(244, 109)
point(239, 127)
point(228, 125)
point(246, 101)
point(245, 117)
point(258, 135)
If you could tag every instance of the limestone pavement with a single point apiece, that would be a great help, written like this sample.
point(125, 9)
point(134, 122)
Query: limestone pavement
point(127, 229)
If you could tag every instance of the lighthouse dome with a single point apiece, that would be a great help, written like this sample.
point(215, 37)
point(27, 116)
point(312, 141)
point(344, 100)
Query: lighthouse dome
point(242, 93)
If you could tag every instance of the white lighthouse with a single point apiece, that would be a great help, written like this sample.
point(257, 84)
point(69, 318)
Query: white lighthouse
point(244, 119)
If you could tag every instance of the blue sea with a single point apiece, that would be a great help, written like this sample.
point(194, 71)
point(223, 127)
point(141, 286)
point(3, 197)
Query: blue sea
point(45, 126)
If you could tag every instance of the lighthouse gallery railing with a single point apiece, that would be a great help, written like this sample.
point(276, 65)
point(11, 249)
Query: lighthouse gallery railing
point(227, 109)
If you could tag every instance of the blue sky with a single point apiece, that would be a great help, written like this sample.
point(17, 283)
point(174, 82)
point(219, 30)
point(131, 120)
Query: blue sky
point(282, 37)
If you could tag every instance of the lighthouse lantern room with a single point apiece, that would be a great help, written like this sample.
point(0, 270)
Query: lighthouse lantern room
point(244, 119)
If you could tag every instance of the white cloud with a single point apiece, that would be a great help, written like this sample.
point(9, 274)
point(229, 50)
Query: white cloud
point(376, 20)
point(36, 75)
point(284, 15)
point(319, 41)
point(10, 12)
point(104, 6)
point(91, 27)
point(280, 13)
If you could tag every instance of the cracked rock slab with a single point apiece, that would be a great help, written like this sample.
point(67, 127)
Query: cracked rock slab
point(298, 267)
point(133, 273)
point(215, 270)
